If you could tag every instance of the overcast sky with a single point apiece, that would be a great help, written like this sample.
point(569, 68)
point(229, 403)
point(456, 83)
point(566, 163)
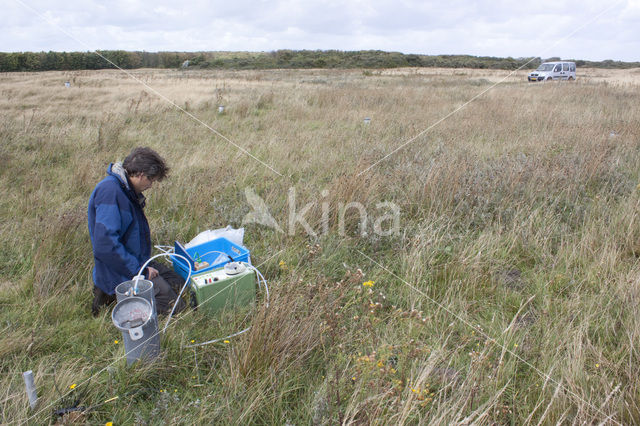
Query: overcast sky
point(578, 29)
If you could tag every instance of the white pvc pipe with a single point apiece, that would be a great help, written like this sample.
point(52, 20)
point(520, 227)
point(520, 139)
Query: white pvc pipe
point(31, 388)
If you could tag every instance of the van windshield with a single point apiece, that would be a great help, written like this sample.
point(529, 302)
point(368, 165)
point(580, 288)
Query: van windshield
point(545, 67)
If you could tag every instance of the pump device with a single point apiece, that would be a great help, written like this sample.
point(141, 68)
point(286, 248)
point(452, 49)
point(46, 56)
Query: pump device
point(232, 286)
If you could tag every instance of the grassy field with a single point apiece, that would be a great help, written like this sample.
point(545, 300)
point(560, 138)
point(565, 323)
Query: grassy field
point(508, 294)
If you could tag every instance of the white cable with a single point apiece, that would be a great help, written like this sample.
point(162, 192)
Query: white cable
point(137, 277)
point(208, 342)
point(164, 249)
point(186, 283)
point(264, 282)
point(199, 255)
point(214, 251)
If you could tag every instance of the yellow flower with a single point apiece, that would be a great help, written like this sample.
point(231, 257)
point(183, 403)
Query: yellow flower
point(226, 341)
point(597, 365)
point(193, 341)
point(108, 424)
point(116, 341)
point(368, 283)
point(515, 345)
point(283, 265)
point(73, 386)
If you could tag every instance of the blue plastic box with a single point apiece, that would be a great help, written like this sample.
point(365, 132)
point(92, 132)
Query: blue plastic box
point(208, 252)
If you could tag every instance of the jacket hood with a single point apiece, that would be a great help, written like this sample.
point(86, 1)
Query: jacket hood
point(116, 170)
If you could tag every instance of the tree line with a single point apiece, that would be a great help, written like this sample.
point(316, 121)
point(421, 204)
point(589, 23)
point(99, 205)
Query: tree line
point(104, 59)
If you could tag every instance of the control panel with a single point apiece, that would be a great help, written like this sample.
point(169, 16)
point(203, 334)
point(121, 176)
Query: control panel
point(229, 270)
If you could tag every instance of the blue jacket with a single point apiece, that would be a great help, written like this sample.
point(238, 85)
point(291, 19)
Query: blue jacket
point(118, 229)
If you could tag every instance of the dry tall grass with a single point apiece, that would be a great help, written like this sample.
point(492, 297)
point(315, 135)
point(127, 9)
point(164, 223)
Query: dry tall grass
point(519, 232)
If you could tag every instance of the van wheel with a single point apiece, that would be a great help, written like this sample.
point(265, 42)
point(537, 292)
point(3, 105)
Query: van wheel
point(549, 78)
point(570, 78)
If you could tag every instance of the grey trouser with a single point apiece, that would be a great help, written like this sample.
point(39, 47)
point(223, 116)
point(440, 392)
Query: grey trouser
point(165, 293)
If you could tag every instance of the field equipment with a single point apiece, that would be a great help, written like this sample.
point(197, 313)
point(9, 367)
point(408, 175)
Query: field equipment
point(232, 286)
point(230, 282)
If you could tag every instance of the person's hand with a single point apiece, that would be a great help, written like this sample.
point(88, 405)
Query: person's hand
point(153, 272)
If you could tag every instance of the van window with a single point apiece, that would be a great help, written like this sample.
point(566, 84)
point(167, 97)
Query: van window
point(565, 67)
point(573, 67)
point(558, 68)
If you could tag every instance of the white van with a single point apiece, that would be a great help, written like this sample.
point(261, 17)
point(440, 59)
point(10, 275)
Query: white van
point(554, 71)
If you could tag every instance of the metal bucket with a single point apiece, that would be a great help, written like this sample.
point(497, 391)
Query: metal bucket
point(144, 290)
point(134, 317)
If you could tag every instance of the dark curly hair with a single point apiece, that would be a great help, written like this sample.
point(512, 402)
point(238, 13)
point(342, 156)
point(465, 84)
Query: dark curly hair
point(147, 161)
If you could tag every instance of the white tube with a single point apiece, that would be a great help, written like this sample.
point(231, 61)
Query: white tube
point(208, 342)
point(186, 282)
point(264, 282)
